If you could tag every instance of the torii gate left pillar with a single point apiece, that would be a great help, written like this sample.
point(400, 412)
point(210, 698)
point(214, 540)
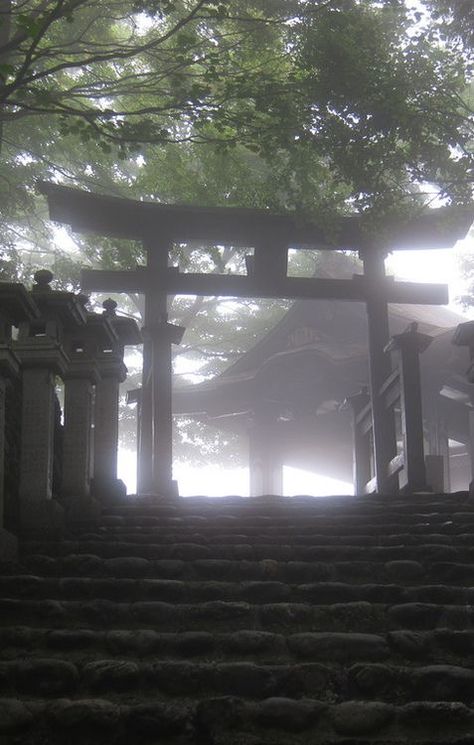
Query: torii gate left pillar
point(155, 462)
point(155, 457)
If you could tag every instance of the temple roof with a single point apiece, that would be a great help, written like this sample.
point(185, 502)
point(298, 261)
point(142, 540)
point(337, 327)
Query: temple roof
point(320, 345)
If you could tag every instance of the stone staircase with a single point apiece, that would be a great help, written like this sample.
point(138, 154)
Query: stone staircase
point(245, 622)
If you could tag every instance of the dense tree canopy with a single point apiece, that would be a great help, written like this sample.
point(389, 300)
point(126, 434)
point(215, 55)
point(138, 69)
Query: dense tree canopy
point(365, 98)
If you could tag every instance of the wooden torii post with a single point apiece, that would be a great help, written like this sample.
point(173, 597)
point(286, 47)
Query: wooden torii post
point(157, 226)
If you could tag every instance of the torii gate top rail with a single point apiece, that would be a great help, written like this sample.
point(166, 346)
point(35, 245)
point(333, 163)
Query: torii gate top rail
point(139, 220)
point(157, 226)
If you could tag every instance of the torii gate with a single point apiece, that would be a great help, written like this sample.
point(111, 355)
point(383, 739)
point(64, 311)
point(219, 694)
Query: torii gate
point(157, 226)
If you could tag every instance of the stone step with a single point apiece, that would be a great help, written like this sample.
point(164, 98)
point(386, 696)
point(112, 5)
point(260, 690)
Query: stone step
point(402, 647)
point(85, 588)
point(357, 616)
point(337, 522)
point(231, 720)
point(364, 524)
point(271, 504)
point(245, 622)
point(254, 551)
point(229, 570)
point(121, 678)
point(210, 538)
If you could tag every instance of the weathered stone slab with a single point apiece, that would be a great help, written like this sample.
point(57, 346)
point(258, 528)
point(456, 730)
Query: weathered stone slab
point(84, 715)
point(105, 676)
point(356, 718)
point(45, 677)
point(287, 715)
point(339, 647)
point(14, 716)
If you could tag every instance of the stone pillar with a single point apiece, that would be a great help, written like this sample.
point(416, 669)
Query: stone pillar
point(464, 337)
point(437, 460)
point(112, 372)
point(76, 444)
point(383, 424)
point(409, 346)
point(163, 335)
point(38, 511)
point(106, 485)
point(362, 447)
point(80, 380)
point(155, 461)
point(16, 306)
point(8, 367)
point(135, 397)
point(265, 465)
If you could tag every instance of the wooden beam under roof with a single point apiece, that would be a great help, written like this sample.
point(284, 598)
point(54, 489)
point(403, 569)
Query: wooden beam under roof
point(138, 220)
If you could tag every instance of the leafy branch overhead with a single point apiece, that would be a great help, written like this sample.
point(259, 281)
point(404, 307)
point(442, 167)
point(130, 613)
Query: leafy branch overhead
point(374, 88)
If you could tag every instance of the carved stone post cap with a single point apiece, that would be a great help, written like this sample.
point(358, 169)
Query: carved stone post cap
point(164, 330)
point(464, 334)
point(412, 337)
point(109, 307)
point(357, 401)
point(43, 278)
point(82, 299)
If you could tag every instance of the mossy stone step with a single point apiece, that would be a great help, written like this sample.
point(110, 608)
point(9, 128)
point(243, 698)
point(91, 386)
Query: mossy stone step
point(85, 588)
point(358, 616)
point(366, 536)
point(402, 647)
point(253, 551)
point(408, 572)
point(122, 678)
point(224, 720)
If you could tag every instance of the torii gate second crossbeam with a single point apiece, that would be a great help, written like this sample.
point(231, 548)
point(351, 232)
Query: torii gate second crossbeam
point(158, 226)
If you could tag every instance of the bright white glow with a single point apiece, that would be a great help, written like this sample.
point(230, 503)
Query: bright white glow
point(213, 481)
point(438, 265)
point(296, 481)
point(127, 469)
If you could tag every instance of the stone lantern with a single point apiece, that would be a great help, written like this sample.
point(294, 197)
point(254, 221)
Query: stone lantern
point(42, 356)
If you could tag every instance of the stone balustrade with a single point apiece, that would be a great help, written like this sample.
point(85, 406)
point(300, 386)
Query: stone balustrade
point(58, 337)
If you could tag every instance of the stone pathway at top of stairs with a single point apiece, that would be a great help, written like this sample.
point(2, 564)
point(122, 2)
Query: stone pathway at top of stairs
point(245, 622)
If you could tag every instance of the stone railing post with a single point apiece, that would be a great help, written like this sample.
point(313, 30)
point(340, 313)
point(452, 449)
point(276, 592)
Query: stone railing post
point(42, 356)
point(112, 371)
point(16, 307)
point(409, 345)
point(464, 337)
point(265, 462)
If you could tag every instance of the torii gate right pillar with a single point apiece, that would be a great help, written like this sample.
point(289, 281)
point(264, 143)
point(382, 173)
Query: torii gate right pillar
point(385, 445)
